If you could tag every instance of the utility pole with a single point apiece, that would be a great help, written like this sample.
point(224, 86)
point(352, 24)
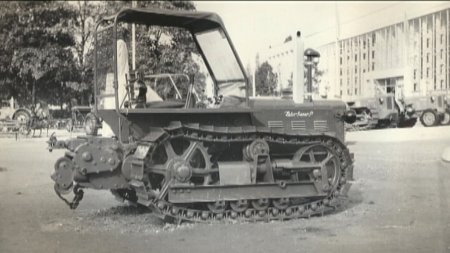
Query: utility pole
point(337, 62)
point(133, 40)
point(254, 79)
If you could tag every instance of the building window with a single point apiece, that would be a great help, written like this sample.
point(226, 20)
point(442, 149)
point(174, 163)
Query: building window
point(442, 38)
point(364, 70)
point(364, 44)
point(364, 56)
point(415, 86)
point(356, 91)
point(428, 58)
point(348, 91)
point(341, 93)
point(340, 82)
point(442, 84)
point(340, 60)
point(373, 66)
point(356, 57)
point(373, 55)
point(356, 70)
point(442, 69)
point(340, 72)
point(415, 73)
point(442, 54)
point(428, 72)
point(348, 57)
point(373, 39)
point(428, 42)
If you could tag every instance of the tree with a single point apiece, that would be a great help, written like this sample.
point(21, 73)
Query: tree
point(87, 13)
point(266, 80)
point(248, 72)
point(317, 78)
point(47, 48)
point(163, 49)
point(36, 58)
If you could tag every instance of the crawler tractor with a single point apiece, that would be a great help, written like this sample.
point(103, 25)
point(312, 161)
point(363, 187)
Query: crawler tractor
point(391, 108)
point(198, 148)
point(385, 109)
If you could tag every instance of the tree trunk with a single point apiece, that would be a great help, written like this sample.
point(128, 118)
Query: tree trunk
point(61, 99)
point(33, 94)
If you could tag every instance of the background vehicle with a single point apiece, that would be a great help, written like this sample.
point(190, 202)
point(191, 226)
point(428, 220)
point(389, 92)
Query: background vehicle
point(36, 118)
point(200, 149)
point(78, 117)
point(23, 119)
point(378, 112)
point(430, 109)
point(389, 109)
point(7, 109)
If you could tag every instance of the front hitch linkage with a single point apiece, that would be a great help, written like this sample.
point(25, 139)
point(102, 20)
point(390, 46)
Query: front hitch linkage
point(76, 199)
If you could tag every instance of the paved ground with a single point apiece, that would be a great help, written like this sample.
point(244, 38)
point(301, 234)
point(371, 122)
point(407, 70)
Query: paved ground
point(398, 203)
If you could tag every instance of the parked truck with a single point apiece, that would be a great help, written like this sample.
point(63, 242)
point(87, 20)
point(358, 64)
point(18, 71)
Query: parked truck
point(391, 108)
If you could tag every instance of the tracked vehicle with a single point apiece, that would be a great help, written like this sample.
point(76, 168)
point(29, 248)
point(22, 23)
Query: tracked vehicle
point(208, 153)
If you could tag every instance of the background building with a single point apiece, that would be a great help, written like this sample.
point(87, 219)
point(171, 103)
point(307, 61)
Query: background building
point(412, 54)
point(402, 44)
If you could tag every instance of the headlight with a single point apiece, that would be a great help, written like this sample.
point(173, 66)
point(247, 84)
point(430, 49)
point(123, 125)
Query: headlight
point(349, 116)
point(381, 100)
point(91, 124)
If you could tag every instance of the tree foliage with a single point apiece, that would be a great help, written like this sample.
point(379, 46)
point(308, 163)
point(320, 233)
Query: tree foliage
point(47, 48)
point(162, 49)
point(266, 80)
point(36, 56)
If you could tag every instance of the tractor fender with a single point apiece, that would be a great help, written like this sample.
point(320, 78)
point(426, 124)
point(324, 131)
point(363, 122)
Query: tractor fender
point(27, 111)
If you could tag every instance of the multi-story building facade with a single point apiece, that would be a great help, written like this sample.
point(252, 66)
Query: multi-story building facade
point(412, 55)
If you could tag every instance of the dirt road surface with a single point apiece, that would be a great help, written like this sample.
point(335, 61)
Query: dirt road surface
point(399, 202)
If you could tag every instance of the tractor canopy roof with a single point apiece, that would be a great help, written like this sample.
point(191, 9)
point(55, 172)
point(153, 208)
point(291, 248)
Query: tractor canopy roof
point(194, 21)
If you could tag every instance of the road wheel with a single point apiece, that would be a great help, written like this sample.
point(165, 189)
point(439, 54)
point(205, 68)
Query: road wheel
point(445, 118)
point(429, 118)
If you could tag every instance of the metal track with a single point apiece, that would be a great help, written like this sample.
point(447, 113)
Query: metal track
point(210, 134)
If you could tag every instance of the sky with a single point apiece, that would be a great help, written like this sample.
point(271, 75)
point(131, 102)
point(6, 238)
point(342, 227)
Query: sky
point(255, 25)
